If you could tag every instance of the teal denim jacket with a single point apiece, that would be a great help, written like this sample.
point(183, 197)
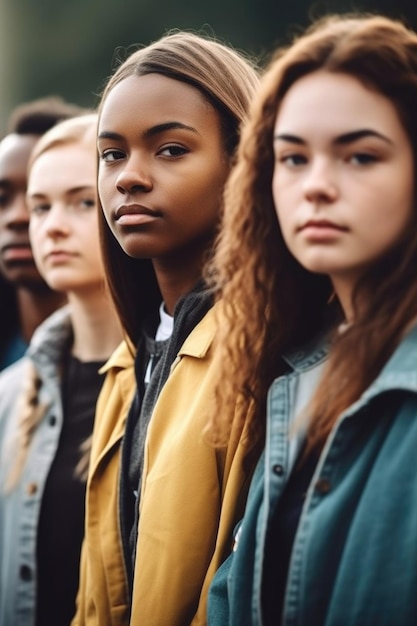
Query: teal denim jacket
point(354, 558)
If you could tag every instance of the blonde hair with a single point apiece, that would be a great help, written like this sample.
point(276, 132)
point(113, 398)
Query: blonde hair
point(30, 413)
point(77, 130)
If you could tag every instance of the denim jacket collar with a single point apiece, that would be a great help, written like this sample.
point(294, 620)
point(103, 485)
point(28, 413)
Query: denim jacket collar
point(399, 373)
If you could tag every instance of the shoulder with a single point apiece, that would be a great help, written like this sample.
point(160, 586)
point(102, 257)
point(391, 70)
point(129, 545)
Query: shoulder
point(12, 380)
point(12, 376)
point(56, 327)
point(400, 371)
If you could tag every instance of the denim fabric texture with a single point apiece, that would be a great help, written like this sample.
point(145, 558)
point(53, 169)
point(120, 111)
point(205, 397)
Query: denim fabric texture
point(354, 558)
point(20, 507)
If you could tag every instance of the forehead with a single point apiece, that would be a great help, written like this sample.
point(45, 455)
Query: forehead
point(63, 166)
point(14, 155)
point(334, 102)
point(143, 101)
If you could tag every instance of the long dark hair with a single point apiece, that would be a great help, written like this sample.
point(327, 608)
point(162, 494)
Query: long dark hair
point(227, 79)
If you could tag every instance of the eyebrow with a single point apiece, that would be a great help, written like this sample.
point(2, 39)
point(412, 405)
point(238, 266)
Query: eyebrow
point(150, 132)
point(70, 192)
point(344, 139)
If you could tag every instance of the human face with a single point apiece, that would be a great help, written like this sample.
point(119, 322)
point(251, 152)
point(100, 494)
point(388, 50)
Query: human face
point(343, 176)
point(162, 168)
point(16, 259)
point(63, 228)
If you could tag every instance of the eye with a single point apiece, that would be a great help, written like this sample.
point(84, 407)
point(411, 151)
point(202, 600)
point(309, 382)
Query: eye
point(39, 208)
point(108, 156)
point(293, 160)
point(80, 203)
point(4, 199)
point(86, 203)
point(173, 150)
point(362, 158)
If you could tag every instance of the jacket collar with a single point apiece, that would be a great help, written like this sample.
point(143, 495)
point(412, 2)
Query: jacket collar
point(121, 358)
point(51, 337)
point(310, 354)
point(200, 339)
point(400, 371)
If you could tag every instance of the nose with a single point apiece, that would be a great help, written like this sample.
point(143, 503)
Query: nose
point(17, 215)
point(56, 222)
point(135, 176)
point(320, 183)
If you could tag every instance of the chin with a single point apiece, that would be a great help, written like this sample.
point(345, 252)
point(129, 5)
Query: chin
point(322, 264)
point(24, 277)
point(138, 252)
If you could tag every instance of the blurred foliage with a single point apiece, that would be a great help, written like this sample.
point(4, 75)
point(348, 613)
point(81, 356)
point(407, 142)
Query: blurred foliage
point(68, 47)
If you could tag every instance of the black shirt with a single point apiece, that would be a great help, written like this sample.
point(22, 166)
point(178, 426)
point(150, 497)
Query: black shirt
point(61, 523)
point(280, 539)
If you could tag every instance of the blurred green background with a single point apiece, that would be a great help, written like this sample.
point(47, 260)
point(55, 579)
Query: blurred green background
point(68, 47)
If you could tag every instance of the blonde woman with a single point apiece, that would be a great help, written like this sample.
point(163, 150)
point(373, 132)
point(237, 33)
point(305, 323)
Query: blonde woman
point(47, 398)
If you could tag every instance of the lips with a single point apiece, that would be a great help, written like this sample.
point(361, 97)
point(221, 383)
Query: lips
point(135, 215)
point(17, 252)
point(59, 256)
point(321, 231)
point(322, 225)
point(134, 209)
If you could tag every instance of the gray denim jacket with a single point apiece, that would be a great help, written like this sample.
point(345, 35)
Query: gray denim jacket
point(20, 507)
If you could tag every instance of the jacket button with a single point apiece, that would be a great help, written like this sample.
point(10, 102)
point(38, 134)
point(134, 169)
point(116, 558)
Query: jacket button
point(322, 486)
point(25, 572)
point(31, 489)
point(278, 470)
point(52, 420)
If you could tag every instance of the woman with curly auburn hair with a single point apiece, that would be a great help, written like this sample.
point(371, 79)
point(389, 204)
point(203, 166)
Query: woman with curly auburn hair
point(316, 273)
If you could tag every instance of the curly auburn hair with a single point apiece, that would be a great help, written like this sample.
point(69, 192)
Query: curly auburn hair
point(268, 301)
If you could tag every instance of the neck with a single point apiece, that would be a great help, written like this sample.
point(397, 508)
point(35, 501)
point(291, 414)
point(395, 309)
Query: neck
point(343, 290)
point(97, 331)
point(176, 279)
point(173, 289)
point(34, 307)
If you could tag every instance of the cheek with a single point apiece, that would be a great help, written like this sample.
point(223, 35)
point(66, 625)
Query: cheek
point(92, 251)
point(285, 227)
point(393, 196)
point(209, 184)
point(95, 265)
point(103, 189)
point(202, 200)
point(282, 210)
point(35, 240)
point(105, 210)
point(393, 210)
point(280, 197)
point(94, 245)
point(89, 231)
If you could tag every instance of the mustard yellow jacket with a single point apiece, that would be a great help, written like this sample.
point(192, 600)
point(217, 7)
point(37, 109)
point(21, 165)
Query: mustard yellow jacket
point(192, 497)
point(102, 595)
